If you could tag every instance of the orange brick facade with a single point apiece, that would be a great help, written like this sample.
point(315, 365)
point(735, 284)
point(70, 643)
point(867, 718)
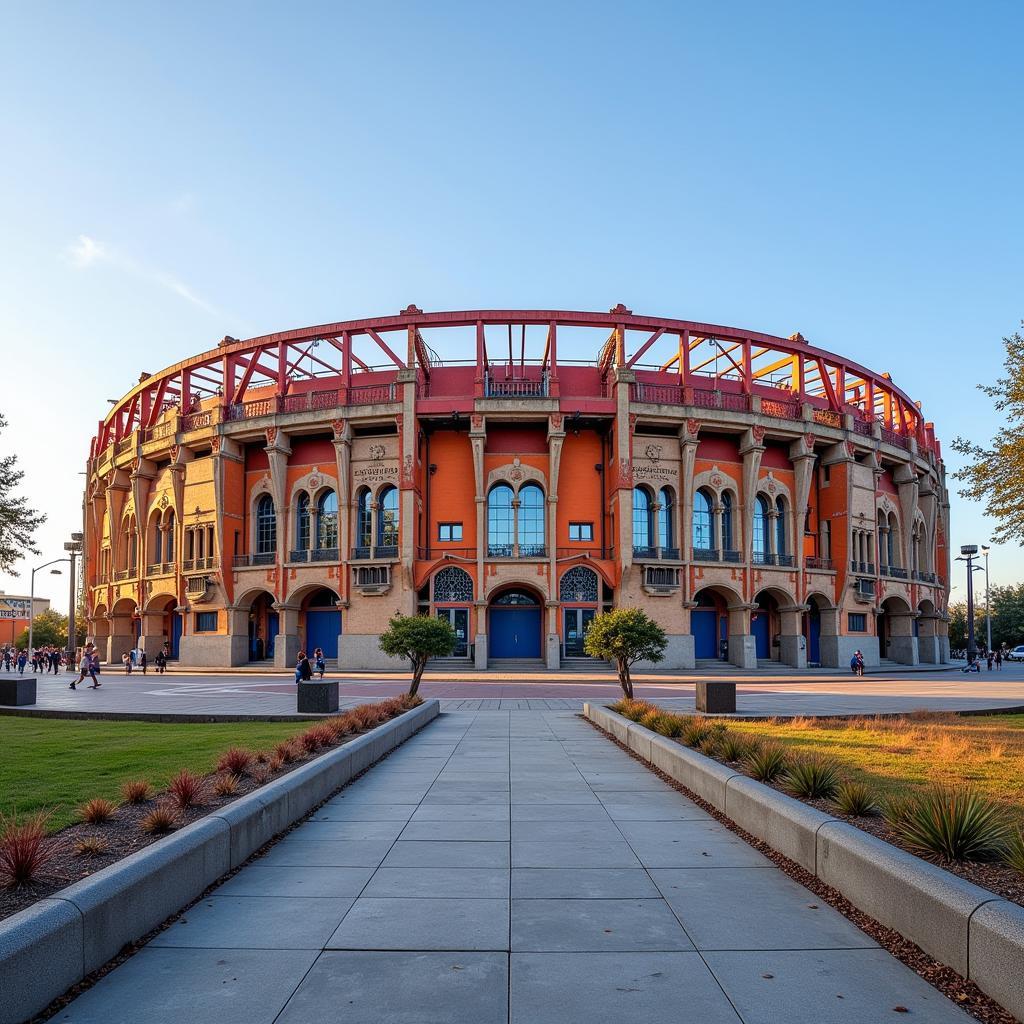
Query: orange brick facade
point(263, 510)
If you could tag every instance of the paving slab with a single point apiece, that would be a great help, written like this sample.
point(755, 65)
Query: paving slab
point(340, 853)
point(582, 884)
point(467, 812)
point(443, 854)
point(402, 988)
point(603, 853)
point(471, 883)
point(645, 988)
point(259, 880)
point(366, 811)
point(364, 830)
point(473, 830)
point(697, 844)
point(418, 923)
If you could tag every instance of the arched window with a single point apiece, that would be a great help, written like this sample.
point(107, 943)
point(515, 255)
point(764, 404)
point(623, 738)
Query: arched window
point(302, 521)
point(727, 538)
point(891, 545)
point(326, 521)
point(666, 518)
point(500, 522)
point(364, 520)
point(825, 541)
point(157, 554)
point(453, 585)
point(266, 526)
point(133, 545)
point(759, 534)
point(643, 525)
point(703, 530)
point(169, 536)
point(531, 522)
point(780, 526)
point(387, 518)
point(579, 585)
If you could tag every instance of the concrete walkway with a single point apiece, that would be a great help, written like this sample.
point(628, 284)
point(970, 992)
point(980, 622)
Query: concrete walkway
point(510, 866)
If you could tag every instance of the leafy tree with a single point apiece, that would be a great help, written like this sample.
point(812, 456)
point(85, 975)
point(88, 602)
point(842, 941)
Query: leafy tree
point(418, 638)
point(50, 629)
point(625, 636)
point(995, 475)
point(18, 522)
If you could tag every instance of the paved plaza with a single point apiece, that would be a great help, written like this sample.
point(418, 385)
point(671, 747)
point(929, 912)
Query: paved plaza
point(510, 866)
point(772, 693)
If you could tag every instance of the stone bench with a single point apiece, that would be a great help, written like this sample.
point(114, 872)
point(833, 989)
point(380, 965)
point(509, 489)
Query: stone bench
point(319, 697)
point(716, 698)
point(17, 692)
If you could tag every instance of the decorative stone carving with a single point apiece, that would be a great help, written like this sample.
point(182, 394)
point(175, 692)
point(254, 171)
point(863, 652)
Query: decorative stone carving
point(338, 428)
point(693, 426)
point(653, 452)
point(476, 421)
point(757, 431)
point(271, 436)
point(377, 452)
point(809, 440)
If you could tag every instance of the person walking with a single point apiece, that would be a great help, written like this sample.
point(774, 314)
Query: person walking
point(143, 660)
point(86, 668)
point(989, 660)
point(318, 659)
point(999, 659)
point(161, 662)
point(302, 668)
point(22, 659)
point(126, 660)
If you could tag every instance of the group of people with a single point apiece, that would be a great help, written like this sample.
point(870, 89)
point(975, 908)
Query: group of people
point(42, 659)
point(137, 660)
point(303, 669)
point(857, 663)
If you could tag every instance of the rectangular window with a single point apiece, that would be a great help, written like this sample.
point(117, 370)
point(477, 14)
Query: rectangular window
point(826, 474)
point(449, 531)
point(581, 531)
point(206, 622)
point(857, 622)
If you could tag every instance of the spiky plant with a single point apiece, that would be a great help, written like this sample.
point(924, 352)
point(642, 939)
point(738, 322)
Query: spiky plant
point(287, 751)
point(732, 746)
point(25, 849)
point(236, 761)
point(695, 732)
point(1014, 855)
point(96, 811)
point(163, 818)
point(187, 789)
point(954, 823)
point(855, 800)
point(226, 784)
point(136, 791)
point(766, 762)
point(812, 777)
point(90, 846)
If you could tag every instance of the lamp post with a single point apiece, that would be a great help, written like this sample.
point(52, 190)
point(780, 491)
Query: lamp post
point(967, 554)
point(32, 595)
point(988, 612)
point(74, 548)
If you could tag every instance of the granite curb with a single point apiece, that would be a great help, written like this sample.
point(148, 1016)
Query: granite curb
point(968, 928)
point(54, 944)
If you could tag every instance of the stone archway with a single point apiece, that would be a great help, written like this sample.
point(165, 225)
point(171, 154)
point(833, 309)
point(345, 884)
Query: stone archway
point(515, 623)
point(123, 626)
point(161, 624)
point(896, 639)
point(929, 650)
point(821, 629)
point(730, 631)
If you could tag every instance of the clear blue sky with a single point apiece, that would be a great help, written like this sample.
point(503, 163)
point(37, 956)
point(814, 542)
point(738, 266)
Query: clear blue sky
point(175, 172)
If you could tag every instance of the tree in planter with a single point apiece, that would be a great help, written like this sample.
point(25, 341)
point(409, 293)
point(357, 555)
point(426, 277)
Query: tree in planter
point(625, 636)
point(418, 638)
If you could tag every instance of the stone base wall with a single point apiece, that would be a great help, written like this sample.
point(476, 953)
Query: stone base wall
point(743, 650)
point(679, 654)
point(836, 651)
point(362, 651)
point(903, 649)
point(200, 650)
point(793, 651)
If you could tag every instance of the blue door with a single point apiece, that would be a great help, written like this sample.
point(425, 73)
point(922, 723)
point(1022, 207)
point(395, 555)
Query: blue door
point(515, 633)
point(175, 633)
point(273, 626)
point(322, 629)
point(703, 627)
point(814, 635)
point(759, 627)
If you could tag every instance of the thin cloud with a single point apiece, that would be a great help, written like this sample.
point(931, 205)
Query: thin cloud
point(86, 252)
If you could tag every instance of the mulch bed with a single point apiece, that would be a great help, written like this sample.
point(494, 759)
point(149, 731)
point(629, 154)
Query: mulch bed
point(959, 990)
point(124, 836)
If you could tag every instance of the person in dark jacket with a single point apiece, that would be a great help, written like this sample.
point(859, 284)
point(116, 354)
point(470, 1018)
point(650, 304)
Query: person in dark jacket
point(302, 668)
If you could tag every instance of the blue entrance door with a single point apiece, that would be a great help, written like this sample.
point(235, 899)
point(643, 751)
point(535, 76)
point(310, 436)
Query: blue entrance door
point(759, 627)
point(322, 629)
point(814, 635)
point(702, 625)
point(515, 632)
point(272, 630)
point(175, 633)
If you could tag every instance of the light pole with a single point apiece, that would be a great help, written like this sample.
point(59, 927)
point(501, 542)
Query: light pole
point(968, 552)
point(74, 548)
point(988, 613)
point(32, 595)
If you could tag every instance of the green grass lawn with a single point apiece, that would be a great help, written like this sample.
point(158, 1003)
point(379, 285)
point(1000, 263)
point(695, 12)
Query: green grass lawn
point(55, 765)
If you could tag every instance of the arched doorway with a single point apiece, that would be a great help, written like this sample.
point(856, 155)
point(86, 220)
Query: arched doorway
point(264, 626)
point(162, 624)
point(765, 626)
point(709, 626)
point(896, 631)
point(323, 622)
point(452, 590)
point(514, 624)
point(579, 592)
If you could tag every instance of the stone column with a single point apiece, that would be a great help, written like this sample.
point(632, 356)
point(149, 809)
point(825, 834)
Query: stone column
point(622, 475)
point(238, 634)
point(928, 648)
point(801, 454)
point(792, 643)
point(277, 456)
point(286, 646)
point(556, 438)
point(742, 646)
point(688, 455)
point(477, 437)
point(902, 642)
point(751, 448)
point(906, 482)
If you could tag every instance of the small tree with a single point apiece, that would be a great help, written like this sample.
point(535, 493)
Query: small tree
point(418, 638)
point(18, 523)
point(50, 629)
point(625, 636)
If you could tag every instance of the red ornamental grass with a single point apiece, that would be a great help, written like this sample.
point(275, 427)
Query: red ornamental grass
point(136, 791)
point(25, 849)
point(187, 789)
point(317, 736)
point(161, 819)
point(237, 761)
point(96, 811)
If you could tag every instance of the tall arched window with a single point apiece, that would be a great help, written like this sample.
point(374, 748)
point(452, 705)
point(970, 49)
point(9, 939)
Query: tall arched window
point(157, 554)
point(500, 522)
point(327, 521)
point(759, 535)
point(302, 522)
point(266, 526)
point(531, 521)
point(169, 537)
point(891, 545)
point(364, 520)
point(666, 518)
point(643, 525)
point(387, 518)
point(727, 538)
point(780, 526)
point(703, 530)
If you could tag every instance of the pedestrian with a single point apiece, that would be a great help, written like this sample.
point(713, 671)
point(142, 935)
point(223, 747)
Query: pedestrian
point(126, 660)
point(142, 661)
point(161, 662)
point(22, 659)
point(989, 660)
point(999, 659)
point(857, 663)
point(86, 668)
point(318, 658)
point(302, 669)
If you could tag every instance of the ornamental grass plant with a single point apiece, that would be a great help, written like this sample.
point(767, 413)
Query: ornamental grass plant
point(855, 799)
point(97, 811)
point(25, 849)
point(812, 777)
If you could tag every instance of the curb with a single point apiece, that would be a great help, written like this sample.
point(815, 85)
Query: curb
point(975, 932)
point(54, 944)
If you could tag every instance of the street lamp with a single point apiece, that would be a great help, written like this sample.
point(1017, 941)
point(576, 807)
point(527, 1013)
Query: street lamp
point(32, 595)
point(988, 613)
point(74, 548)
point(967, 554)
